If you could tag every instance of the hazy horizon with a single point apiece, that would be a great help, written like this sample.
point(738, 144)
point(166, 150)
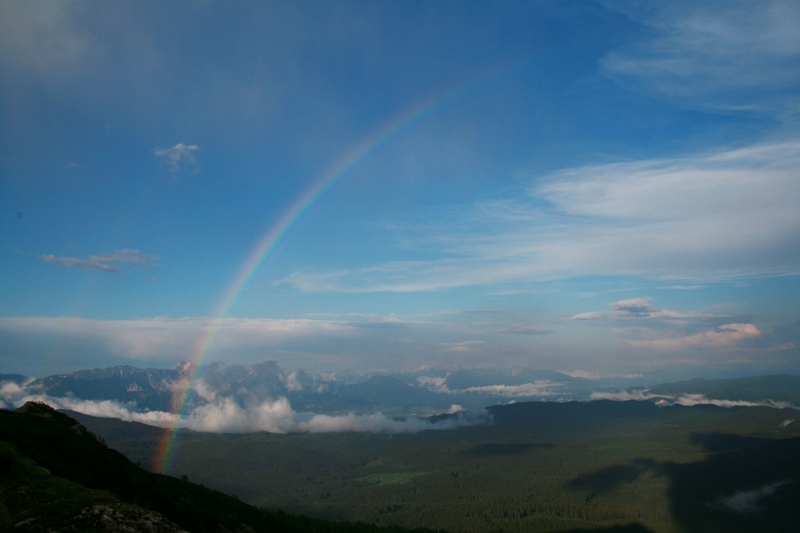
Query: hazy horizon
point(600, 188)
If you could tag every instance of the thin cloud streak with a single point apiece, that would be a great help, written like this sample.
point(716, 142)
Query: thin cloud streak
point(103, 261)
point(638, 309)
point(165, 339)
point(686, 400)
point(126, 255)
point(726, 336)
point(74, 262)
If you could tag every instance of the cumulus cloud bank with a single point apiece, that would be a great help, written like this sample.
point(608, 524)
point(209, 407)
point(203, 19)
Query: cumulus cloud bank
point(225, 415)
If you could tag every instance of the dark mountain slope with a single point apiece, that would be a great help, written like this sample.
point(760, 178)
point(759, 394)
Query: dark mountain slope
point(72, 462)
point(149, 387)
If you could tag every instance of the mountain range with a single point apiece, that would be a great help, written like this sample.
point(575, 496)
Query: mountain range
point(422, 392)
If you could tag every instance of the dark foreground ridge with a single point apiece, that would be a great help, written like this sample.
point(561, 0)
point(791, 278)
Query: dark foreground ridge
point(57, 476)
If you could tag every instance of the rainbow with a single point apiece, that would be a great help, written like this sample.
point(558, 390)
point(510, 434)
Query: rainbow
point(275, 233)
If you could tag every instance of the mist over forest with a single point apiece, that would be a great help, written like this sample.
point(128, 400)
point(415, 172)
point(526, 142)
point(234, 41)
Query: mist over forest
point(266, 397)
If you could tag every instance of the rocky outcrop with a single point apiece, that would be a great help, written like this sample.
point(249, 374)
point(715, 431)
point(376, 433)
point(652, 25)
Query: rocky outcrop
point(122, 518)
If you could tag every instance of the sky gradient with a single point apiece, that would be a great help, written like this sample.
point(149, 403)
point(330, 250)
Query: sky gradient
point(598, 188)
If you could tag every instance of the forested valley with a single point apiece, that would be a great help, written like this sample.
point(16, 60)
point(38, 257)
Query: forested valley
point(538, 467)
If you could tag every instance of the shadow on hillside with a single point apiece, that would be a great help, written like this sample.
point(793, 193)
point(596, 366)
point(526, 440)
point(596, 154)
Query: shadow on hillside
point(611, 478)
point(722, 442)
point(744, 485)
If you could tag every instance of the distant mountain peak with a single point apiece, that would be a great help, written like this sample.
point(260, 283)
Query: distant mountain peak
point(36, 408)
point(183, 367)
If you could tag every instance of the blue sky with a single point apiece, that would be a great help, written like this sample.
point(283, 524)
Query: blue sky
point(599, 188)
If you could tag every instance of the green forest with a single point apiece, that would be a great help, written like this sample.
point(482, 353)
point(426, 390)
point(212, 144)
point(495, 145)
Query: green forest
point(539, 467)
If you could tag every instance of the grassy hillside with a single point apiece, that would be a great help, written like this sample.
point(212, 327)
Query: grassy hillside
point(539, 467)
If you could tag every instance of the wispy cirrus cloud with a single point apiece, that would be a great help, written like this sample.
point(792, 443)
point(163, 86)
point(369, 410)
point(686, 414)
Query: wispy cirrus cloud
point(705, 217)
point(103, 261)
point(730, 56)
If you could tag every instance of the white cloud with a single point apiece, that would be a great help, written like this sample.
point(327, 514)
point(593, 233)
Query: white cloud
point(713, 216)
point(11, 391)
point(179, 157)
point(644, 326)
point(12, 397)
point(434, 383)
point(689, 400)
point(291, 382)
point(731, 55)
